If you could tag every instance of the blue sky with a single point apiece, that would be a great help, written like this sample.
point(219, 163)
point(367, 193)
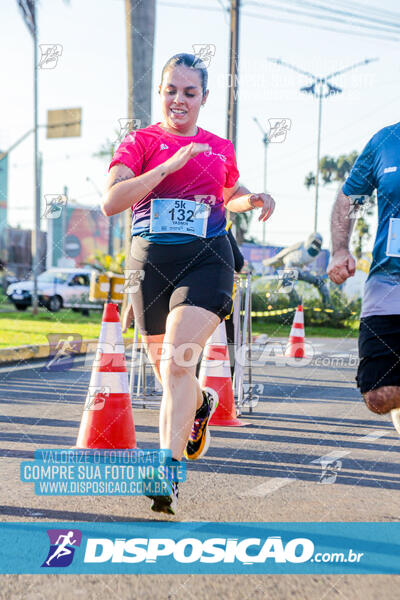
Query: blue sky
point(92, 73)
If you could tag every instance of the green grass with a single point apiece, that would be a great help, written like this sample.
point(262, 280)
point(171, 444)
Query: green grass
point(278, 330)
point(21, 328)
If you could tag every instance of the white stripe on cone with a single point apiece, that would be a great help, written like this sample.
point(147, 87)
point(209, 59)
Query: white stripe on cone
point(111, 333)
point(218, 338)
point(297, 332)
point(216, 367)
point(299, 317)
point(117, 383)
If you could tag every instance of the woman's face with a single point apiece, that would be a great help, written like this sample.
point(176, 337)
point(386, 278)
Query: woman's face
point(181, 97)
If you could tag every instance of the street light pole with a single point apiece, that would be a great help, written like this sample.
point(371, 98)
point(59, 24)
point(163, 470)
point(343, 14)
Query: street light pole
point(36, 229)
point(265, 142)
point(29, 14)
point(325, 89)
point(318, 157)
point(233, 72)
point(233, 82)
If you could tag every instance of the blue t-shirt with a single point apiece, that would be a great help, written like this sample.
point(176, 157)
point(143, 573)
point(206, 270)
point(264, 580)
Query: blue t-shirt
point(378, 167)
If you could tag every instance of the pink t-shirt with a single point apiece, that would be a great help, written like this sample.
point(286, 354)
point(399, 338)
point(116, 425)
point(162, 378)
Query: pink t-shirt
point(203, 178)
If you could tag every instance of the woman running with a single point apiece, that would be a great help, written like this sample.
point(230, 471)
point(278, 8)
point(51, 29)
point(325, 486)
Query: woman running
point(178, 179)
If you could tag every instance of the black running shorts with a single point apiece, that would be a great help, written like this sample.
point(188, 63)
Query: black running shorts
point(379, 350)
point(164, 276)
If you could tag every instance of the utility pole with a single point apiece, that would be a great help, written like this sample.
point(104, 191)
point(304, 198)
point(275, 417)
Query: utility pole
point(140, 24)
point(233, 86)
point(28, 9)
point(233, 80)
point(36, 229)
point(320, 88)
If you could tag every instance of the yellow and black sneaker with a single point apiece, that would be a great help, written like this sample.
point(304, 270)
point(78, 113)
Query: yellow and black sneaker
point(200, 436)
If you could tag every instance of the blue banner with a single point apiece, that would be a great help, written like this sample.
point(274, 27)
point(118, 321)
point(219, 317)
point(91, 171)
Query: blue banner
point(219, 548)
point(77, 472)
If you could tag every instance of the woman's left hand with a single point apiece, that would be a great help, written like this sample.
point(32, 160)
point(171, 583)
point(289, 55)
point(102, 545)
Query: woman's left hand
point(265, 202)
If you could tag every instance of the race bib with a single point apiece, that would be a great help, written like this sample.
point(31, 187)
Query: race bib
point(393, 243)
point(172, 215)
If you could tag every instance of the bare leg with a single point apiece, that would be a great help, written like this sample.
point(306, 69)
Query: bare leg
point(154, 351)
point(188, 328)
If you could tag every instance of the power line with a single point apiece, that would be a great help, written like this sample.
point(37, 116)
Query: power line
point(323, 27)
point(290, 21)
point(365, 8)
point(320, 88)
point(346, 13)
point(393, 28)
point(222, 5)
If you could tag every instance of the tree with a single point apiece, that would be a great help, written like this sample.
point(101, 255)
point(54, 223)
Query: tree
point(337, 169)
point(104, 262)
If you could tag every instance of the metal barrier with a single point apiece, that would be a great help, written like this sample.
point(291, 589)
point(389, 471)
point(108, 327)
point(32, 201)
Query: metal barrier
point(243, 333)
point(144, 388)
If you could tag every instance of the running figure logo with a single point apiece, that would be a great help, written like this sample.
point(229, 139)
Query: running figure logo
point(204, 52)
point(62, 349)
point(278, 129)
point(54, 205)
point(128, 127)
point(62, 547)
point(50, 53)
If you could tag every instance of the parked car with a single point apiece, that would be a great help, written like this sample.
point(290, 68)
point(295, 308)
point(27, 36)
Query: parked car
point(57, 288)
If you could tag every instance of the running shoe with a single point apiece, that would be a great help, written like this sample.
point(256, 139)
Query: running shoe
point(200, 436)
point(168, 503)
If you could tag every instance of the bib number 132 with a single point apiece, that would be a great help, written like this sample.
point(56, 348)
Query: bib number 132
point(174, 215)
point(180, 212)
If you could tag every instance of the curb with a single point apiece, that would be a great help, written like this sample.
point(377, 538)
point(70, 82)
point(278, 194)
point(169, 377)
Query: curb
point(35, 351)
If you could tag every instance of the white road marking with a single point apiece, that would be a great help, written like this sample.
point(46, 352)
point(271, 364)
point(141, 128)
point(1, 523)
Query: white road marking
point(38, 364)
point(277, 482)
point(268, 486)
point(374, 435)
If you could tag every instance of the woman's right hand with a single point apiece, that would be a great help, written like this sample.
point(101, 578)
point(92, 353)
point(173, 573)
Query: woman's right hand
point(183, 155)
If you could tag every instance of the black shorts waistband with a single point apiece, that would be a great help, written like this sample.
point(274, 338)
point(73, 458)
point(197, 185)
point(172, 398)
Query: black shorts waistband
point(143, 250)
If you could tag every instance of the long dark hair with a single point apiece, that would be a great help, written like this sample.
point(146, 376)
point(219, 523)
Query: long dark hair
point(191, 61)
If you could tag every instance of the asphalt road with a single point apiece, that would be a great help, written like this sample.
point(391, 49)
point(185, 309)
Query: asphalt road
point(311, 452)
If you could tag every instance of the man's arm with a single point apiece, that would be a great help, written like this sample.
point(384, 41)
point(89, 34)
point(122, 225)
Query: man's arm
point(342, 264)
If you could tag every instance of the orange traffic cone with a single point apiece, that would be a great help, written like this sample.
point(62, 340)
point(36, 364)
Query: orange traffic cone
point(295, 347)
point(218, 378)
point(107, 420)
